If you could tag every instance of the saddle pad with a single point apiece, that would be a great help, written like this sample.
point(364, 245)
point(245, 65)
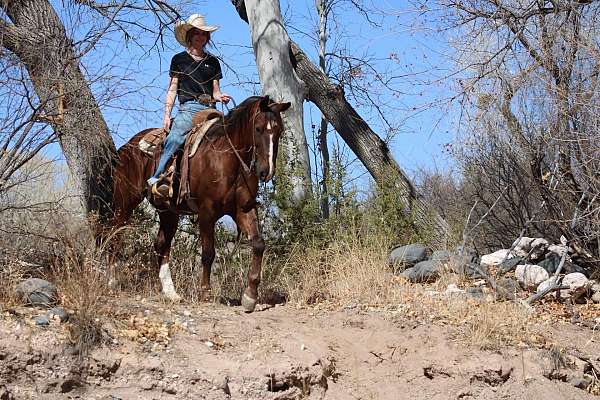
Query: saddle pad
point(197, 134)
point(151, 140)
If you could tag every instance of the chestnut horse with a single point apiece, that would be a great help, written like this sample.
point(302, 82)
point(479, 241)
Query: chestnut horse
point(223, 180)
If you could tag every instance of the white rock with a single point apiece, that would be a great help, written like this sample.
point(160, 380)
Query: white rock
point(538, 248)
point(495, 258)
point(578, 285)
point(577, 282)
point(522, 245)
point(559, 249)
point(595, 287)
point(530, 276)
point(596, 297)
point(523, 242)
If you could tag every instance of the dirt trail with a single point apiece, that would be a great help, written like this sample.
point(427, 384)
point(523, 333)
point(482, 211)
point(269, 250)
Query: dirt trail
point(213, 351)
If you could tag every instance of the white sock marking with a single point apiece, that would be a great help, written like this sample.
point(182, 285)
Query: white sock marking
point(165, 279)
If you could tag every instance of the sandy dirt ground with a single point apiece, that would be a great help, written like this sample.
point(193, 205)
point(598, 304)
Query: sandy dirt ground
point(153, 350)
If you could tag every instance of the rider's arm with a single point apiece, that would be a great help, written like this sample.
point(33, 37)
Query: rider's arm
point(217, 95)
point(170, 101)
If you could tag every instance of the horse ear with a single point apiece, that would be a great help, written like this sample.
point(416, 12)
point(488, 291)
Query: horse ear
point(280, 107)
point(264, 104)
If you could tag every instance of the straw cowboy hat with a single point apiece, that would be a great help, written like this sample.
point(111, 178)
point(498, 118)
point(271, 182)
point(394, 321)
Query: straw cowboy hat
point(194, 21)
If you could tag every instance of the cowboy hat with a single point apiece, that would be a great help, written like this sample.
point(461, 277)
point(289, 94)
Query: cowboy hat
point(194, 21)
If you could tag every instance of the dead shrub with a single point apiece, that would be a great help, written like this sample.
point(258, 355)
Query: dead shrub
point(82, 280)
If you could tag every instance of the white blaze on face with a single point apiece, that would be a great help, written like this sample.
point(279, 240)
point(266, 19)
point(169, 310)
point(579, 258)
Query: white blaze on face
point(269, 127)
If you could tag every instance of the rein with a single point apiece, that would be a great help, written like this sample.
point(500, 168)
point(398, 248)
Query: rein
point(237, 154)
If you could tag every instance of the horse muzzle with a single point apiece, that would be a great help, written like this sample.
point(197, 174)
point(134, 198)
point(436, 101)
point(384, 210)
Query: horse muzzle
point(265, 175)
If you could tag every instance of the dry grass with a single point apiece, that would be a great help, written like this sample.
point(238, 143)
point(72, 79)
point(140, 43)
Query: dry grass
point(12, 273)
point(82, 281)
point(344, 271)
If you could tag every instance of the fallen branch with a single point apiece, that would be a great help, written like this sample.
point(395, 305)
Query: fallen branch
point(552, 288)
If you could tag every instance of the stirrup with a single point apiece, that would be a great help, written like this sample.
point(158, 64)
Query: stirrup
point(163, 190)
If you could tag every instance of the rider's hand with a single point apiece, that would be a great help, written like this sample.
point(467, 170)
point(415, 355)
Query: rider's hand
point(222, 97)
point(167, 122)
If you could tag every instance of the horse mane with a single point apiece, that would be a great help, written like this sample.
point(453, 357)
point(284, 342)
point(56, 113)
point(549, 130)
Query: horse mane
point(233, 119)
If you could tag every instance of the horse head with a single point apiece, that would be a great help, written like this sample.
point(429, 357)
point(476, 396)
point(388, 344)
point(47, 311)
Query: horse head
point(268, 127)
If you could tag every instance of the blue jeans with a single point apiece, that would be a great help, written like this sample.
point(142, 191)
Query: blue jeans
point(179, 129)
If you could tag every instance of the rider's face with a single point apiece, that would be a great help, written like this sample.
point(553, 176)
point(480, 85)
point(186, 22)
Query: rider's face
point(199, 39)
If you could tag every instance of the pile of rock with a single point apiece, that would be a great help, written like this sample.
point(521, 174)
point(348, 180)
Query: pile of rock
point(530, 264)
point(37, 292)
point(417, 263)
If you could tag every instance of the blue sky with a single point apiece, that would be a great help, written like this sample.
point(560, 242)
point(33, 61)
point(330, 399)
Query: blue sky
point(404, 44)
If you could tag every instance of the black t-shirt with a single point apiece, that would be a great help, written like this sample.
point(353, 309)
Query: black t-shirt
point(195, 77)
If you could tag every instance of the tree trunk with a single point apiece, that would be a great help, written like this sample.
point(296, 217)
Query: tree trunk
point(38, 38)
point(362, 140)
point(322, 8)
point(270, 42)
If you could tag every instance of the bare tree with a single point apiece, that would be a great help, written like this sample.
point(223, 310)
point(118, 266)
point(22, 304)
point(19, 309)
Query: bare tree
point(529, 74)
point(372, 151)
point(47, 59)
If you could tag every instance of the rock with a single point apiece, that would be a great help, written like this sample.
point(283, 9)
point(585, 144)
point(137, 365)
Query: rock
point(424, 271)
point(581, 381)
point(559, 249)
point(58, 312)
point(454, 291)
point(408, 255)
point(522, 245)
point(578, 286)
point(530, 276)
point(476, 293)
point(41, 320)
point(495, 258)
point(571, 268)
point(475, 271)
point(596, 297)
point(509, 264)
point(37, 292)
point(465, 262)
point(442, 255)
point(550, 263)
point(538, 248)
point(507, 289)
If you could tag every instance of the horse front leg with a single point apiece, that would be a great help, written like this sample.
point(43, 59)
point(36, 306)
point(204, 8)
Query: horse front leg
point(162, 246)
point(248, 224)
point(207, 237)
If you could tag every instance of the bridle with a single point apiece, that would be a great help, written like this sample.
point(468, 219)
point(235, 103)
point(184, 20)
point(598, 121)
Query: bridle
point(252, 166)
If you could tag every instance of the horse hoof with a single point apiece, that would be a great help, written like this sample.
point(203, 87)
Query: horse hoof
point(248, 303)
point(172, 297)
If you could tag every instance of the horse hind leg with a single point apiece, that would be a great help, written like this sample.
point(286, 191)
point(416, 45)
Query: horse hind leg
point(248, 224)
point(162, 246)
